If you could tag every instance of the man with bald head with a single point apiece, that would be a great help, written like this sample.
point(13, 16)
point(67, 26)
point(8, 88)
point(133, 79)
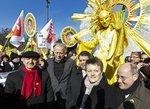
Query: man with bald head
point(131, 90)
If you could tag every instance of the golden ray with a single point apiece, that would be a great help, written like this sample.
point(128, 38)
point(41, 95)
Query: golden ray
point(81, 17)
point(134, 18)
point(135, 7)
point(93, 4)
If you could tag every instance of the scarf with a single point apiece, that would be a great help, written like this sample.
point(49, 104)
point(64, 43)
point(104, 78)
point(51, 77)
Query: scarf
point(132, 88)
point(122, 94)
point(89, 86)
point(32, 83)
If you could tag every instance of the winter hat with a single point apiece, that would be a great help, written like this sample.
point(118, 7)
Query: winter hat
point(14, 55)
point(30, 54)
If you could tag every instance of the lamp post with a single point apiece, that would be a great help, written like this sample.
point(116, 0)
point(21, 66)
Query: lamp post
point(47, 10)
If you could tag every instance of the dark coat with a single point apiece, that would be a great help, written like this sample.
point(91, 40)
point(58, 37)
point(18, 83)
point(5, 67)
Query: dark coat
point(99, 98)
point(61, 84)
point(6, 67)
point(140, 99)
point(13, 87)
point(73, 90)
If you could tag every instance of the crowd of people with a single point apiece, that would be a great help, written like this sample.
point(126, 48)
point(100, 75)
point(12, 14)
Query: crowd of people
point(62, 82)
point(95, 75)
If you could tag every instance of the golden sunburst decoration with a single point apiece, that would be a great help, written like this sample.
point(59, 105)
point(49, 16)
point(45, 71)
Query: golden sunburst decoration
point(144, 17)
point(131, 24)
point(140, 19)
point(109, 5)
point(129, 4)
point(66, 36)
point(97, 6)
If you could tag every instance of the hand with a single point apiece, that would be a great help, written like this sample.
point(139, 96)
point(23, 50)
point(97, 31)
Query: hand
point(139, 65)
point(117, 25)
point(77, 39)
point(117, 22)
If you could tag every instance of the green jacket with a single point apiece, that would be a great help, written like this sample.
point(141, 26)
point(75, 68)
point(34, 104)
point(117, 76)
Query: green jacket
point(140, 99)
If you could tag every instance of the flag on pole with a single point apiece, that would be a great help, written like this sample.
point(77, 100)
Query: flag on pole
point(49, 34)
point(16, 34)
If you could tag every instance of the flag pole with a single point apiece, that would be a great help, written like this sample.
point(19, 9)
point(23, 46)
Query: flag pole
point(47, 9)
point(6, 42)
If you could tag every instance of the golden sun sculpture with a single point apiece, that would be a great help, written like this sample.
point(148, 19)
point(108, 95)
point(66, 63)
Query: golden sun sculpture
point(125, 30)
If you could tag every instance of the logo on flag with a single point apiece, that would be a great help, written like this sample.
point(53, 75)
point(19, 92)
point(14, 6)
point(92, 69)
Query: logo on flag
point(48, 34)
point(16, 34)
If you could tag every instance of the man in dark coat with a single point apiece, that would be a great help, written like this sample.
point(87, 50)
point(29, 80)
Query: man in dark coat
point(74, 84)
point(5, 63)
point(132, 93)
point(60, 69)
point(15, 61)
point(30, 87)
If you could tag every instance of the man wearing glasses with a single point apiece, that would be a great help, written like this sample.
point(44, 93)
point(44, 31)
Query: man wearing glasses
point(131, 90)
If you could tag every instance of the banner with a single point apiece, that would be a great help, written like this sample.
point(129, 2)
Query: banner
point(49, 34)
point(41, 41)
point(16, 34)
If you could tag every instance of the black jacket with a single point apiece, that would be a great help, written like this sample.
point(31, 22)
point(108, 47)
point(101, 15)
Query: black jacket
point(61, 84)
point(99, 98)
point(13, 88)
point(73, 88)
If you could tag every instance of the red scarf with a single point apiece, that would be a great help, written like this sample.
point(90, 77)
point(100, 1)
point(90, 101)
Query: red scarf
point(32, 84)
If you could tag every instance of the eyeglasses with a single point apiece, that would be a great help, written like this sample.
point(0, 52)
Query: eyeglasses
point(123, 78)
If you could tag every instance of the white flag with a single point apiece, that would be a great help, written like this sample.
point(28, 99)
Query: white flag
point(49, 34)
point(17, 31)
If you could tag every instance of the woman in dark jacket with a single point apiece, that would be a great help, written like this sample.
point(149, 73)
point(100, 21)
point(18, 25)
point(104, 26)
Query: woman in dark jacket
point(95, 92)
